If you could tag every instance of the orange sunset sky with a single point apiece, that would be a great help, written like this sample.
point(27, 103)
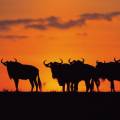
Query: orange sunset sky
point(35, 30)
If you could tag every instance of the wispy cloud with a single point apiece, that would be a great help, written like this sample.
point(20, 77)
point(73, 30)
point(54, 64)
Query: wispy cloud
point(55, 22)
point(7, 24)
point(37, 26)
point(99, 16)
point(13, 37)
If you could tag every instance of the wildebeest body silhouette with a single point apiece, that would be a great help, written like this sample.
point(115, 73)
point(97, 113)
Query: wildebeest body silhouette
point(81, 71)
point(60, 71)
point(72, 73)
point(110, 71)
point(18, 71)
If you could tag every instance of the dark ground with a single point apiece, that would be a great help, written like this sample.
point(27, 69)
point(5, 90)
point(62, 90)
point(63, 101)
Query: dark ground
point(71, 105)
point(60, 97)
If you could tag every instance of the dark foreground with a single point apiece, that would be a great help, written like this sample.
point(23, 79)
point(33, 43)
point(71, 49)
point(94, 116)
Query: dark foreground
point(60, 97)
point(63, 105)
point(61, 94)
point(54, 99)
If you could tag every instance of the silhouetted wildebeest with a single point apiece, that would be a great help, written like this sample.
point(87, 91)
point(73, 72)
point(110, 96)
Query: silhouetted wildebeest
point(81, 71)
point(110, 71)
point(18, 71)
point(72, 73)
point(60, 71)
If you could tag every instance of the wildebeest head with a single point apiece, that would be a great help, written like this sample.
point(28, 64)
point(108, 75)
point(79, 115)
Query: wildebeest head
point(7, 63)
point(76, 61)
point(4, 63)
point(11, 66)
point(55, 68)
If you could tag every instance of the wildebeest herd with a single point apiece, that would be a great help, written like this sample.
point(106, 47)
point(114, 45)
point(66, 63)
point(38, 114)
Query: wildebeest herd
point(67, 74)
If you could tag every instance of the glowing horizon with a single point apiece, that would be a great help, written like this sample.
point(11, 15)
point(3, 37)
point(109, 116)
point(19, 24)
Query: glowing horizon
point(33, 30)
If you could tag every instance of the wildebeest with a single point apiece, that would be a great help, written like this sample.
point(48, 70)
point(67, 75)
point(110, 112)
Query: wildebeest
point(60, 71)
point(72, 73)
point(17, 71)
point(81, 71)
point(110, 71)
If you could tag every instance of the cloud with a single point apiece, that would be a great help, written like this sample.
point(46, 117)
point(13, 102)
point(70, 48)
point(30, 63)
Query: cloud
point(37, 26)
point(13, 37)
point(55, 22)
point(99, 16)
point(82, 20)
point(7, 24)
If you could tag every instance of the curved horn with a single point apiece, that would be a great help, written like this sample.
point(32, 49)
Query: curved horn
point(15, 60)
point(61, 61)
point(47, 65)
point(115, 60)
point(3, 62)
point(83, 60)
point(71, 61)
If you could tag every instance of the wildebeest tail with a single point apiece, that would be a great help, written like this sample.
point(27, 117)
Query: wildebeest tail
point(39, 83)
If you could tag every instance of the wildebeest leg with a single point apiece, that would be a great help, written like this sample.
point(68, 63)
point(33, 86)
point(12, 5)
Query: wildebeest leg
point(87, 83)
point(63, 87)
point(16, 81)
point(97, 82)
point(76, 87)
point(32, 84)
point(112, 86)
point(36, 84)
point(68, 87)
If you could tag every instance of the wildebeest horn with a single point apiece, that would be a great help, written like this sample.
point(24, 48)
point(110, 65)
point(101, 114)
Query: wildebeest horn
point(3, 62)
point(69, 60)
point(61, 60)
point(15, 59)
point(47, 65)
point(116, 60)
point(83, 60)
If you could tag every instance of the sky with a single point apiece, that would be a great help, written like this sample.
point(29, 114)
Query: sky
point(36, 30)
